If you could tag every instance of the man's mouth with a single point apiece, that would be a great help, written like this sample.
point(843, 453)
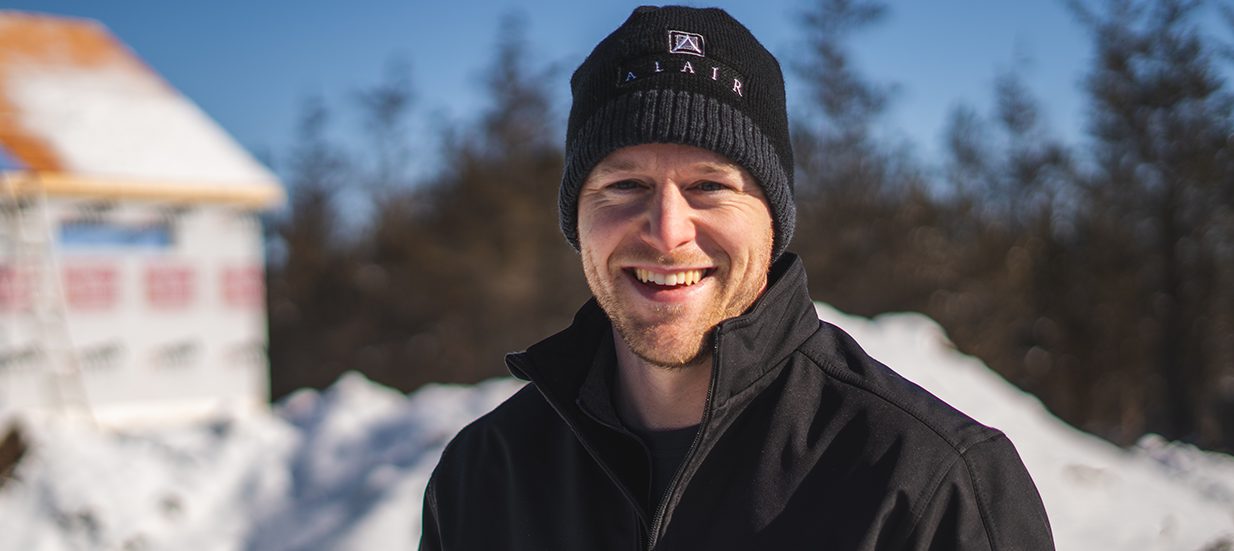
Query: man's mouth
point(683, 278)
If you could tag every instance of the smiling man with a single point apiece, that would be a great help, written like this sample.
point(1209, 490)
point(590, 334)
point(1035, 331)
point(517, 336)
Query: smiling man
point(697, 402)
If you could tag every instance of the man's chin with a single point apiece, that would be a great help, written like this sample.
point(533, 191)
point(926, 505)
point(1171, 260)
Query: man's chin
point(668, 351)
point(663, 362)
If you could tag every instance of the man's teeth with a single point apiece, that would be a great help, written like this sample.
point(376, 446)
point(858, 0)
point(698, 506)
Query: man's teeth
point(688, 277)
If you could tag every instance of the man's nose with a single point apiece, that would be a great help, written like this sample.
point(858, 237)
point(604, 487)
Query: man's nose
point(671, 221)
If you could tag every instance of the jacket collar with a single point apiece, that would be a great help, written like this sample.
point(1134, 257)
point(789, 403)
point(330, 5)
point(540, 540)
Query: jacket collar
point(750, 346)
point(746, 347)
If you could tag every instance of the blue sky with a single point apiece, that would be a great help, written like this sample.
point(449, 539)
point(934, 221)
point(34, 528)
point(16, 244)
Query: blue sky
point(251, 65)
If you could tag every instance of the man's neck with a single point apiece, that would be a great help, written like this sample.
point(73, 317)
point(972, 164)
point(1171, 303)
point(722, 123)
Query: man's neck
point(653, 397)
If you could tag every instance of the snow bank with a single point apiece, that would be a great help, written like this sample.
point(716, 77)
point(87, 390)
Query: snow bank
point(343, 469)
point(346, 468)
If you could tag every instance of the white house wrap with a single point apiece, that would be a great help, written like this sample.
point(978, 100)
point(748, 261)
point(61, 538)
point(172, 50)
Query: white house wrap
point(131, 270)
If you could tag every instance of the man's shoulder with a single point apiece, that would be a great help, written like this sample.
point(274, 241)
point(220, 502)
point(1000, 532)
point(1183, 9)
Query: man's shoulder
point(523, 412)
point(896, 434)
point(898, 404)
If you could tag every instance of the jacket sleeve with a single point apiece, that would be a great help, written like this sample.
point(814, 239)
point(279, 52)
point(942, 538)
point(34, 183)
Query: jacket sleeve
point(986, 500)
point(430, 533)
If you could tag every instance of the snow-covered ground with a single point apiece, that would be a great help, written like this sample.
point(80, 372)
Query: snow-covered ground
point(346, 468)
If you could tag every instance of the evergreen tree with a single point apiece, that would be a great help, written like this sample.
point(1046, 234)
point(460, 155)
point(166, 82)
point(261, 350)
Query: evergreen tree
point(510, 277)
point(307, 290)
point(861, 203)
point(1159, 199)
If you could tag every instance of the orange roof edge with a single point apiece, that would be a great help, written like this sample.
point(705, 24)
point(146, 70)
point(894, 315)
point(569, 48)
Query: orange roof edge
point(256, 196)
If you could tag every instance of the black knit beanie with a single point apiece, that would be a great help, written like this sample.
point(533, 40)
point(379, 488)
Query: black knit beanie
point(684, 76)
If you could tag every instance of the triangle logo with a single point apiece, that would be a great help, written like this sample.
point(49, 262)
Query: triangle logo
point(681, 42)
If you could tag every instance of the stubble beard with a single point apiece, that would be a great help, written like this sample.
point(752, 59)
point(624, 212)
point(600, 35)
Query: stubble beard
point(668, 339)
point(668, 344)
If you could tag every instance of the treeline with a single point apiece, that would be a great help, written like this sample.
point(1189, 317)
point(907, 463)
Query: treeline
point(1099, 277)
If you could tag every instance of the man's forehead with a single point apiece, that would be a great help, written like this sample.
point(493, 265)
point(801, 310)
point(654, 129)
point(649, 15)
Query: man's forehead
point(696, 161)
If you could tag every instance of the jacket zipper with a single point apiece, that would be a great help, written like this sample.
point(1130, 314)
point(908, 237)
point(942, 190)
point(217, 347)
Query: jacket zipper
point(653, 536)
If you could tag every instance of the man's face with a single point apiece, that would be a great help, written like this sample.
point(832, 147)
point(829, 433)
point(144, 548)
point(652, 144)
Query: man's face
point(675, 239)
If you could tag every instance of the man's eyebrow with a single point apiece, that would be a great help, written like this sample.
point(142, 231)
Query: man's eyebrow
point(626, 165)
point(615, 165)
point(714, 168)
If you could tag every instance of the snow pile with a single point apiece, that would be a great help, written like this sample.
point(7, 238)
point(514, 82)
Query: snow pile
point(343, 469)
point(364, 456)
point(79, 488)
point(346, 468)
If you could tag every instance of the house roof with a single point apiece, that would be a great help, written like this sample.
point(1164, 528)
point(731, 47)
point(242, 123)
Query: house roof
point(81, 114)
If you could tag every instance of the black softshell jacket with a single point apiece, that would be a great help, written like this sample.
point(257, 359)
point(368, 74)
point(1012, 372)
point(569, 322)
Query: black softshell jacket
point(806, 443)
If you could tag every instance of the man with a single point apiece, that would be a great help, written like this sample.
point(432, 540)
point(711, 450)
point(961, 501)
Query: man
point(698, 402)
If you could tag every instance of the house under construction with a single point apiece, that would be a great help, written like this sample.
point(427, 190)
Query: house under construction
point(131, 266)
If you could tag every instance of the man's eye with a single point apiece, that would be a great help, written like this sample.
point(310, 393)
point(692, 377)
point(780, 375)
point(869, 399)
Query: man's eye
point(711, 186)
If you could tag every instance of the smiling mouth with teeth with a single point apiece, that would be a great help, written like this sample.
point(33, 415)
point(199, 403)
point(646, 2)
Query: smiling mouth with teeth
point(683, 278)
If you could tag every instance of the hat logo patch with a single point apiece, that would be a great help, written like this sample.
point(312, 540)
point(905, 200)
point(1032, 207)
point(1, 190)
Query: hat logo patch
point(681, 42)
